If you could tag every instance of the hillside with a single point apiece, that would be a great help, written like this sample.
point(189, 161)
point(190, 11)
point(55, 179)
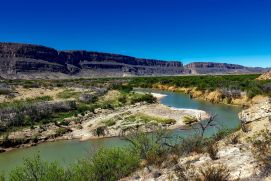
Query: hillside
point(265, 76)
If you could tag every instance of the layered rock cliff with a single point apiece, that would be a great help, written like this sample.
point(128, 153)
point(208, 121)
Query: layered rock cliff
point(33, 61)
point(220, 68)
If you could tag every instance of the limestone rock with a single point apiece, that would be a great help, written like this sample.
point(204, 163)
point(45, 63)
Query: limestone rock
point(256, 112)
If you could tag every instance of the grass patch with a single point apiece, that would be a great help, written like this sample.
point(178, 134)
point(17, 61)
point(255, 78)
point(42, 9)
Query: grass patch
point(21, 103)
point(67, 94)
point(140, 117)
point(188, 120)
point(109, 122)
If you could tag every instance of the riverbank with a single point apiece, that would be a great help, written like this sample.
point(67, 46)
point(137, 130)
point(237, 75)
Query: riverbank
point(216, 96)
point(242, 155)
point(105, 123)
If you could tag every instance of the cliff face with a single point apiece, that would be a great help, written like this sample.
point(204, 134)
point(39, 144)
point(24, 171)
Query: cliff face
point(220, 68)
point(32, 61)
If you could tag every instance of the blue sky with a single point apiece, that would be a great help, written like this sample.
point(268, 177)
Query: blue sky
point(232, 31)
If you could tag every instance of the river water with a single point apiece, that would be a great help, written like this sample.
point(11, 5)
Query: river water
point(67, 152)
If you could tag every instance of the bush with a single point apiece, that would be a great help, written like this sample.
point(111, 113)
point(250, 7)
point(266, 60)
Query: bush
point(188, 120)
point(261, 148)
point(100, 131)
point(113, 164)
point(214, 173)
point(61, 131)
point(212, 150)
point(2, 177)
point(37, 170)
point(152, 147)
point(192, 144)
point(143, 98)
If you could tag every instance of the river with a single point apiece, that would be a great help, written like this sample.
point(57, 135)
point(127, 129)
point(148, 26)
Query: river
point(67, 152)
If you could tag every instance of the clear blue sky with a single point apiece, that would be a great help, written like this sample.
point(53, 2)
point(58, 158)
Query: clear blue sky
point(233, 31)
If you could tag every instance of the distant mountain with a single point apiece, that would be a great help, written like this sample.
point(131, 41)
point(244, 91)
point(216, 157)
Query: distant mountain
point(221, 68)
point(33, 61)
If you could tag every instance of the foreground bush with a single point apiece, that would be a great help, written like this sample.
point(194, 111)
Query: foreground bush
point(261, 148)
point(214, 173)
point(37, 170)
point(113, 164)
point(105, 165)
point(153, 147)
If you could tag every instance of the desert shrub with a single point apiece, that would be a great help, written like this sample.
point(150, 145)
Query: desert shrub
point(31, 84)
point(68, 93)
point(143, 98)
point(222, 133)
point(261, 148)
point(122, 99)
point(214, 173)
point(123, 88)
point(109, 122)
point(61, 131)
point(188, 120)
point(152, 147)
point(37, 170)
point(100, 131)
point(245, 127)
point(140, 117)
point(81, 171)
point(212, 150)
point(5, 91)
point(192, 144)
point(113, 164)
point(234, 139)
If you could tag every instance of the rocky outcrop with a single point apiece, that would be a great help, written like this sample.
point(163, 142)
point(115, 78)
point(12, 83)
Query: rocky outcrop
point(265, 76)
point(220, 68)
point(256, 112)
point(28, 61)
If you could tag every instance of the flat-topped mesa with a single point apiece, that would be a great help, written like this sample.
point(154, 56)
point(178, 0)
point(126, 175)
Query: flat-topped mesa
point(220, 68)
point(34, 61)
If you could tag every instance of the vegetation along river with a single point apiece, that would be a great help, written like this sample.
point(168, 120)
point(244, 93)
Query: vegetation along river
point(67, 152)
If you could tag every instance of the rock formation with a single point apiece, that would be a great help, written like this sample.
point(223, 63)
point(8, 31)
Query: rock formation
point(265, 76)
point(33, 61)
point(220, 68)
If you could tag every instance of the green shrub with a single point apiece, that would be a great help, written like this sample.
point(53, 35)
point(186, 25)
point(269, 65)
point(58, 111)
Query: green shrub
point(68, 93)
point(2, 177)
point(113, 164)
point(147, 118)
point(188, 120)
point(152, 147)
point(37, 170)
point(143, 98)
point(61, 131)
point(109, 122)
point(261, 148)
